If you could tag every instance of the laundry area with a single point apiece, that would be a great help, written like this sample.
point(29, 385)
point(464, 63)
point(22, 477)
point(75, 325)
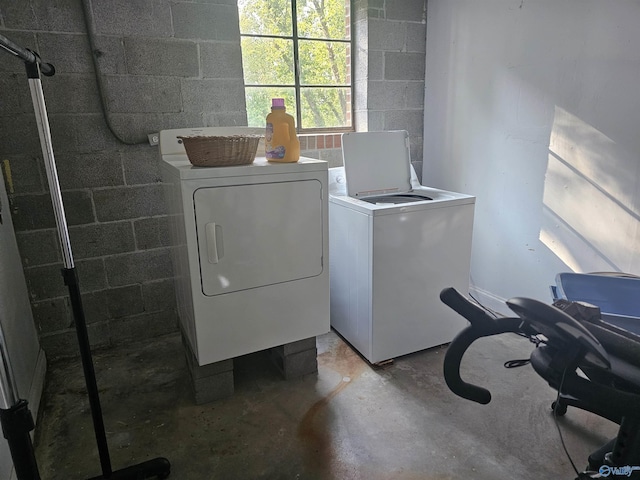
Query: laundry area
point(222, 259)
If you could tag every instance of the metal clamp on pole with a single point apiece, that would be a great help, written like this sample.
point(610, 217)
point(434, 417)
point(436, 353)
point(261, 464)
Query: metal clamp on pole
point(26, 55)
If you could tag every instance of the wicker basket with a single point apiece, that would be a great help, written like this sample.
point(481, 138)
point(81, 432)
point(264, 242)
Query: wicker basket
point(221, 151)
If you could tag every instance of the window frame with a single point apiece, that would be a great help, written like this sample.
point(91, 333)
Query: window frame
point(297, 86)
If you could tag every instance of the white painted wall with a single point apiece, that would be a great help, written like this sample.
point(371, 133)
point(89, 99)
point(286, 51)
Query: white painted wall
point(534, 107)
point(25, 355)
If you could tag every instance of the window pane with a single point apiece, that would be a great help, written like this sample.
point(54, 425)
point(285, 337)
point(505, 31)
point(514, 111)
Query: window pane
point(323, 19)
point(265, 17)
point(323, 63)
point(267, 61)
point(326, 107)
point(259, 103)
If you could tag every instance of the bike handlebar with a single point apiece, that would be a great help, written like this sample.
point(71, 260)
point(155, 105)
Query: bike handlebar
point(482, 325)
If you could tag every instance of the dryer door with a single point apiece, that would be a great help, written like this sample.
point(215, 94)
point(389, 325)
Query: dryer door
point(251, 236)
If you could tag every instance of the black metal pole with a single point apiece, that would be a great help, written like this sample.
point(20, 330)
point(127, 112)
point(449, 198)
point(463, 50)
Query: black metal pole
point(71, 281)
point(158, 467)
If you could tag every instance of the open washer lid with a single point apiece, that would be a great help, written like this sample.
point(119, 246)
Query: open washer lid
point(376, 163)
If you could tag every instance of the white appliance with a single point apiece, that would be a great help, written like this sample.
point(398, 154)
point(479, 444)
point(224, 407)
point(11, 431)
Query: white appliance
point(250, 249)
point(394, 245)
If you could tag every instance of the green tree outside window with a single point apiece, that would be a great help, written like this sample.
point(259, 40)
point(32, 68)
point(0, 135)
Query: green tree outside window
point(304, 58)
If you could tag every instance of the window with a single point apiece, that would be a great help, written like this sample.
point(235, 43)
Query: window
point(299, 50)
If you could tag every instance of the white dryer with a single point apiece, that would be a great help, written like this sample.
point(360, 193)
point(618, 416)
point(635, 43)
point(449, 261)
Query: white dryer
point(394, 245)
point(250, 245)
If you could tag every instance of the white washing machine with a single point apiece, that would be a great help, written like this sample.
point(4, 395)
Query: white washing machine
point(250, 245)
point(394, 245)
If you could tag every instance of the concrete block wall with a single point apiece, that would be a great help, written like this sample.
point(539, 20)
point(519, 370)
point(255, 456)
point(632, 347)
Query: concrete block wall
point(162, 64)
point(390, 69)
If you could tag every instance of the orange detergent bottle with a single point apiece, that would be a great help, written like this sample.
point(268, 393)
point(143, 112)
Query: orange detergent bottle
point(281, 141)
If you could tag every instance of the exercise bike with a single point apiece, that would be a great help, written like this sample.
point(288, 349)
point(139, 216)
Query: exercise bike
point(607, 357)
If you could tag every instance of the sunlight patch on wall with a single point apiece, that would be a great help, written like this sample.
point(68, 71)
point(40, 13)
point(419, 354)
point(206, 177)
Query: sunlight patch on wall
point(590, 215)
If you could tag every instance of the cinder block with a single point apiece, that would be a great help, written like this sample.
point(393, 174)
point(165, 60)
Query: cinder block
point(91, 134)
point(25, 173)
point(227, 119)
point(159, 295)
point(404, 66)
point(199, 372)
point(39, 247)
point(296, 359)
point(221, 60)
point(19, 135)
point(375, 120)
point(297, 364)
point(69, 53)
point(333, 156)
point(52, 315)
point(361, 105)
point(76, 93)
point(31, 212)
point(416, 149)
point(143, 326)
point(141, 165)
point(158, 56)
point(410, 120)
point(110, 54)
point(149, 18)
point(45, 282)
point(295, 347)
point(58, 16)
point(207, 22)
point(63, 132)
point(373, 67)
point(138, 267)
point(78, 207)
point(417, 37)
point(65, 343)
point(311, 154)
point(14, 96)
point(121, 203)
point(138, 126)
point(152, 232)
point(417, 165)
point(209, 382)
point(124, 301)
point(376, 13)
point(91, 274)
point(213, 95)
point(95, 307)
point(142, 94)
point(407, 10)
point(414, 97)
point(386, 95)
point(86, 170)
point(387, 36)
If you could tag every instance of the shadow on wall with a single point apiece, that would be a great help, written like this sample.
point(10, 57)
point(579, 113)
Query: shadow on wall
point(588, 203)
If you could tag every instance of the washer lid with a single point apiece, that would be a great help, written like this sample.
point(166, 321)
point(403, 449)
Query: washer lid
point(376, 162)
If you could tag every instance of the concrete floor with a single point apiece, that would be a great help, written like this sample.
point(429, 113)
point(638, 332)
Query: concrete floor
point(350, 421)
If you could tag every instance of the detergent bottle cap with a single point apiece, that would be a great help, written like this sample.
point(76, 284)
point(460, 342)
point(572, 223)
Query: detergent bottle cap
point(277, 103)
